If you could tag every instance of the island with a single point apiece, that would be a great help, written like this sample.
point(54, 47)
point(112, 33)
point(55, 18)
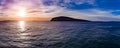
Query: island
point(63, 18)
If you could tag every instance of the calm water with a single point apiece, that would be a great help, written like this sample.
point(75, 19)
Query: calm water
point(23, 34)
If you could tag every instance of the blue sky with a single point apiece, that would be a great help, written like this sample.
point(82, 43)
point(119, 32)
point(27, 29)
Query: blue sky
point(96, 10)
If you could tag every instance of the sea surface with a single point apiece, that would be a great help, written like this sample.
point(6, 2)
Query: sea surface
point(26, 34)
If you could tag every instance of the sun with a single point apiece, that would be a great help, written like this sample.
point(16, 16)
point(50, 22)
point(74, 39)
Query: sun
point(22, 12)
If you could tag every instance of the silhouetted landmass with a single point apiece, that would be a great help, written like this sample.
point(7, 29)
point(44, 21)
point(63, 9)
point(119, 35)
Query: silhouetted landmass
point(63, 18)
point(7, 20)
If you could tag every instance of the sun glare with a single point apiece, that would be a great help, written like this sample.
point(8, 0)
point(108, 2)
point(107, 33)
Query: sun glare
point(22, 12)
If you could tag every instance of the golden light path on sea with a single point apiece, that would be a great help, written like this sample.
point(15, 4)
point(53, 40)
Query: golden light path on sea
point(22, 35)
point(21, 25)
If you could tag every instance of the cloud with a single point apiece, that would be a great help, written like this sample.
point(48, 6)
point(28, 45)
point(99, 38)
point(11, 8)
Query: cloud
point(78, 2)
point(82, 9)
point(70, 4)
point(89, 14)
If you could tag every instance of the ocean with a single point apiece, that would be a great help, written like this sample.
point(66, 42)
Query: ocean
point(26, 34)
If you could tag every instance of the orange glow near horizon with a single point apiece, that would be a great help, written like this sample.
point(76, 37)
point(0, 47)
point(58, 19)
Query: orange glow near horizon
point(23, 13)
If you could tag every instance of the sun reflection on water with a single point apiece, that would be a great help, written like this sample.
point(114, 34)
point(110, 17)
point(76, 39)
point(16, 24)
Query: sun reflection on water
point(22, 25)
point(23, 35)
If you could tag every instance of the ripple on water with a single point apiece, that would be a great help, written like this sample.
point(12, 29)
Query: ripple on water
point(59, 35)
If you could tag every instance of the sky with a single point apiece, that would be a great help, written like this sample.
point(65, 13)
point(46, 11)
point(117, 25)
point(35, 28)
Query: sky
point(94, 10)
